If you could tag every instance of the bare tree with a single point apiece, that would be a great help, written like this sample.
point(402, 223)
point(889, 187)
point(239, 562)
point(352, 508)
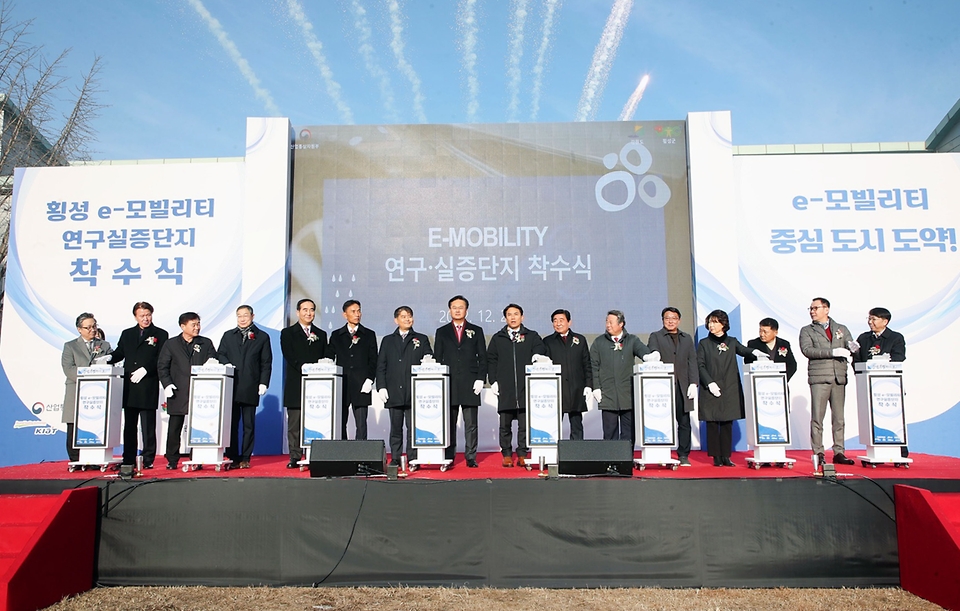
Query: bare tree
point(45, 116)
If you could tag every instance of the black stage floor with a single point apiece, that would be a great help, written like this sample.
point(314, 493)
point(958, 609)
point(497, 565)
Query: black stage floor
point(592, 532)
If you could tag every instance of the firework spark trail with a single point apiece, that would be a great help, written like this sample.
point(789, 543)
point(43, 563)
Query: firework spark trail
point(217, 30)
point(631, 106)
point(517, 23)
point(295, 10)
point(364, 34)
point(603, 57)
point(467, 20)
point(396, 45)
point(549, 10)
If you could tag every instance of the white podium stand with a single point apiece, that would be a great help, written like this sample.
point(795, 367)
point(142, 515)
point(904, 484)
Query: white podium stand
point(654, 414)
point(767, 399)
point(210, 416)
point(430, 417)
point(544, 412)
point(883, 424)
point(320, 415)
point(98, 407)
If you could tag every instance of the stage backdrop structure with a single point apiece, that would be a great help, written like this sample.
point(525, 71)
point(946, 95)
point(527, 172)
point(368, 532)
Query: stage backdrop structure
point(583, 216)
point(184, 236)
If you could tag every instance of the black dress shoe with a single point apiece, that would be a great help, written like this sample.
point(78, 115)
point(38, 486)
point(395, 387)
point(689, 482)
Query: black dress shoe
point(726, 462)
point(472, 463)
point(148, 466)
point(840, 459)
point(172, 467)
point(292, 465)
point(717, 462)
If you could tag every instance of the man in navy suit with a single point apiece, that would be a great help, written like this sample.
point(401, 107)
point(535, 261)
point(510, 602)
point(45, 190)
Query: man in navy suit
point(461, 346)
point(247, 348)
point(301, 343)
point(355, 349)
point(139, 349)
point(399, 351)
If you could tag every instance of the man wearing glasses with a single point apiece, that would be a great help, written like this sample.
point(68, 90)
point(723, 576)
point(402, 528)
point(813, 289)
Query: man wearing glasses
point(827, 346)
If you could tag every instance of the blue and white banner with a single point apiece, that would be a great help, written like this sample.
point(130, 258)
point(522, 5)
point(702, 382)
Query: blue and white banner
point(429, 415)
point(206, 411)
point(543, 404)
point(318, 416)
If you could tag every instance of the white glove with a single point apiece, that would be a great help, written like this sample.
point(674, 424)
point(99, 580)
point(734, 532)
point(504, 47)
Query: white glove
point(841, 352)
point(477, 387)
point(427, 359)
point(853, 345)
point(495, 388)
point(761, 356)
point(168, 391)
point(327, 361)
point(103, 360)
point(692, 391)
point(714, 389)
point(212, 361)
point(262, 390)
point(138, 375)
point(367, 385)
point(587, 391)
point(597, 395)
point(885, 356)
point(384, 395)
point(541, 358)
point(653, 357)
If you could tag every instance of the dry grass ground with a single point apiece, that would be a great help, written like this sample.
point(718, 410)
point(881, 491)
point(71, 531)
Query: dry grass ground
point(525, 599)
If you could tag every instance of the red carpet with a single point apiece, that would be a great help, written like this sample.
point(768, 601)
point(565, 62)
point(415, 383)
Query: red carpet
point(928, 540)
point(924, 467)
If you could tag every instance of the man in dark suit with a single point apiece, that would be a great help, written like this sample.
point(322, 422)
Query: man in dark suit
point(881, 340)
point(355, 349)
point(300, 343)
point(461, 346)
point(571, 352)
point(176, 358)
point(777, 348)
point(139, 349)
point(511, 349)
point(247, 348)
point(678, 348)
point(399, 351)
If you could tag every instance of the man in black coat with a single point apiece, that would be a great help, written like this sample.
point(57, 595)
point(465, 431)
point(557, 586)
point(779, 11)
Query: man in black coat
point(139, 348)
point(511, 349)
point(247, 348)
point(354, 347)
point(176, 358)
point(399, 351)
point(879, 340)
point(571, 352)
point(300, 343)
point(777, 348)
point(461, 346)
point(678, 348)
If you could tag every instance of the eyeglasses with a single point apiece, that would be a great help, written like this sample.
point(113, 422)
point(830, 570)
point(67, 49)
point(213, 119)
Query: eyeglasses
point(89, 327)
point(815, 308)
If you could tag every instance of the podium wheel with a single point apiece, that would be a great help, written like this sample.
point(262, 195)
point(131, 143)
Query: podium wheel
point(790, 465)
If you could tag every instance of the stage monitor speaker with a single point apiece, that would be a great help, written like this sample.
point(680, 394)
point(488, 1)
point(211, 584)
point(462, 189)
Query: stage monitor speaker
point(594, 457)
point(341, 458)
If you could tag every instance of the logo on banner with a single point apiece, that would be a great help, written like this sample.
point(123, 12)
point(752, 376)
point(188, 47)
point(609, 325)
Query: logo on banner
point(651, 189)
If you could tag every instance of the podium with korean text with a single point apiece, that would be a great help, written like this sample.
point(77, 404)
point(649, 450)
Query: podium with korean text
point(544, 412)
point(654, 404)
point(883, 423)
point(767, 402)
point(210, 416)
point(98, 410)
point(430, 417)
point(320, 418)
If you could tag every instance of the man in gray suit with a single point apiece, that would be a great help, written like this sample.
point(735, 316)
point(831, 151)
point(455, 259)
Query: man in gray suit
point(827, 346)
point(80, 352)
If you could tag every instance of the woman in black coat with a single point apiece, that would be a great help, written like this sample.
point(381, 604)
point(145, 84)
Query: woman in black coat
point(721, 392)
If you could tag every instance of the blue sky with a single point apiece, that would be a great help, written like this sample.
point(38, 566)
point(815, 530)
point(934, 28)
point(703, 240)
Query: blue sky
point(791, 71)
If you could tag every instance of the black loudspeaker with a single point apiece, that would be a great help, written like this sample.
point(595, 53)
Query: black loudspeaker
point(594, 457)
point(335, 458)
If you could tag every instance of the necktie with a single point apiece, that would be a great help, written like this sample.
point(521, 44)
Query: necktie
point(459, 332)
point(564, 338)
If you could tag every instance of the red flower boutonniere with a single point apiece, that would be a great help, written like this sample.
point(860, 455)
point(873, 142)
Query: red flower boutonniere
point(782, 351)
point(576, 341)
point(520, 338)
point(617, 345)
point(312, 337)
point(152, 340)
point(196, 347)
point(354, 340)
point(250, 335)
point(416, 343)
point(470, 333)
point(722, 347)
point(874, 350)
